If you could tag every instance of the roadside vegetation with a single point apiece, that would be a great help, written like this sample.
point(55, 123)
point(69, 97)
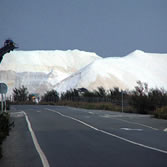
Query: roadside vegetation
point(5, 127)
point(161, 113)
point(141, 100)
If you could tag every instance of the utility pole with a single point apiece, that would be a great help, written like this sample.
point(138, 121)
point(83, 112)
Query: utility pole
point(122, 100)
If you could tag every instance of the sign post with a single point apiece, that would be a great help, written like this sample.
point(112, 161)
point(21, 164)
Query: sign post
point(3, 90)
point(5, 102)
point(1, 103)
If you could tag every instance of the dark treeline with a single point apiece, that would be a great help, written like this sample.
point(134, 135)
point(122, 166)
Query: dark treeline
point(99, 95)
point(141, 100)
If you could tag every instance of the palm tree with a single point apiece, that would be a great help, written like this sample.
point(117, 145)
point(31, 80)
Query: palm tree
point(9, 45)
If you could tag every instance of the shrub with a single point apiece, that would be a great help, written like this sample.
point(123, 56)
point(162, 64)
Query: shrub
point(139, 98)
point(50, 96)
point(145, 100)
point(7, 105)
point(161, 113)
point(5, 127)
point(157, 98)
point(20, 94)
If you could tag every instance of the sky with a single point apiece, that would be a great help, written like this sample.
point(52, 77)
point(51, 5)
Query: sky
point(108, 27)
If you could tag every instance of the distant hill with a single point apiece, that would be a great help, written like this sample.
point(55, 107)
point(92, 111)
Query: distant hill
point(39, 71)
point(122, 72)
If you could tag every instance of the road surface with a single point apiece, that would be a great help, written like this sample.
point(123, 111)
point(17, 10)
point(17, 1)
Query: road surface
point(60, 136)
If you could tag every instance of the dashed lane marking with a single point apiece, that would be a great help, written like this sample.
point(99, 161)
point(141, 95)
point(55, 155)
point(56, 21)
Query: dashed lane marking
point(108, 133)
point(130, 122)
point(130, 129)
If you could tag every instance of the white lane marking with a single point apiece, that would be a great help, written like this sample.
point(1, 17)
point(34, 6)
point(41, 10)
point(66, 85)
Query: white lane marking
point(108, 133)
point(38, 111)
point(36, 144)
point(73, 119)
point(90, 112)
point(165, 130)
point(129, 129)
point(131, 122)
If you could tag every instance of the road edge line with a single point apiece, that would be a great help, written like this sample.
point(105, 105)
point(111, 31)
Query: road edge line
point(36, 144)
point(110, 134)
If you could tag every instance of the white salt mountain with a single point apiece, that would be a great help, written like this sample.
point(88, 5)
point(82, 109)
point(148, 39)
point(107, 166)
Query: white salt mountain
point(122, 72)
point(39, 71)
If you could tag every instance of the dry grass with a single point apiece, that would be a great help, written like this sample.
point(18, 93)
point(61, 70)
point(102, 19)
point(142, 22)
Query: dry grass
point(96, 106)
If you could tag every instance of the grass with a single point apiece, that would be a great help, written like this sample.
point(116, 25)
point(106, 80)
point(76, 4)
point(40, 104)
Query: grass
point(88, 105)
point(160, 113)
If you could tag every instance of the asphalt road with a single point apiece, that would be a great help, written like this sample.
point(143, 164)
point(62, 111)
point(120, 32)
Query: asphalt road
point(71, 137)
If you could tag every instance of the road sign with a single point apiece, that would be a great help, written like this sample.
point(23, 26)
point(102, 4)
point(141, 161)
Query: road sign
point(3, 88)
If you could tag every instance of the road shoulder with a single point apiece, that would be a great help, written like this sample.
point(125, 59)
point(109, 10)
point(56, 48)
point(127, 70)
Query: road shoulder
point(18, 148)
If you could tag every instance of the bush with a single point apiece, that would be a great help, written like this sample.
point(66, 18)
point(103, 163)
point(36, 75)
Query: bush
point(146, 101)
point(20, 94)
point(5, 127)
point(50, 96)
point(140, 104)
point(71, 95)
point(161, 113)
point(7, 105)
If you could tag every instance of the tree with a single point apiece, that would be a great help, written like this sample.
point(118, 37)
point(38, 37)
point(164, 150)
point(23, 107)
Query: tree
point(139, 98)
point(157, 98)
point(20, 94)
point(9, 45)
point(100, 92)
point(50, 96)
point(71, 95)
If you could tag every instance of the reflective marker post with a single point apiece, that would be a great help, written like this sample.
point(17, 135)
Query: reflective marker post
point(122, 101)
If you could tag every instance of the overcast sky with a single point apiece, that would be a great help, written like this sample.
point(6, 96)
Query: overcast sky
point(107, 27)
